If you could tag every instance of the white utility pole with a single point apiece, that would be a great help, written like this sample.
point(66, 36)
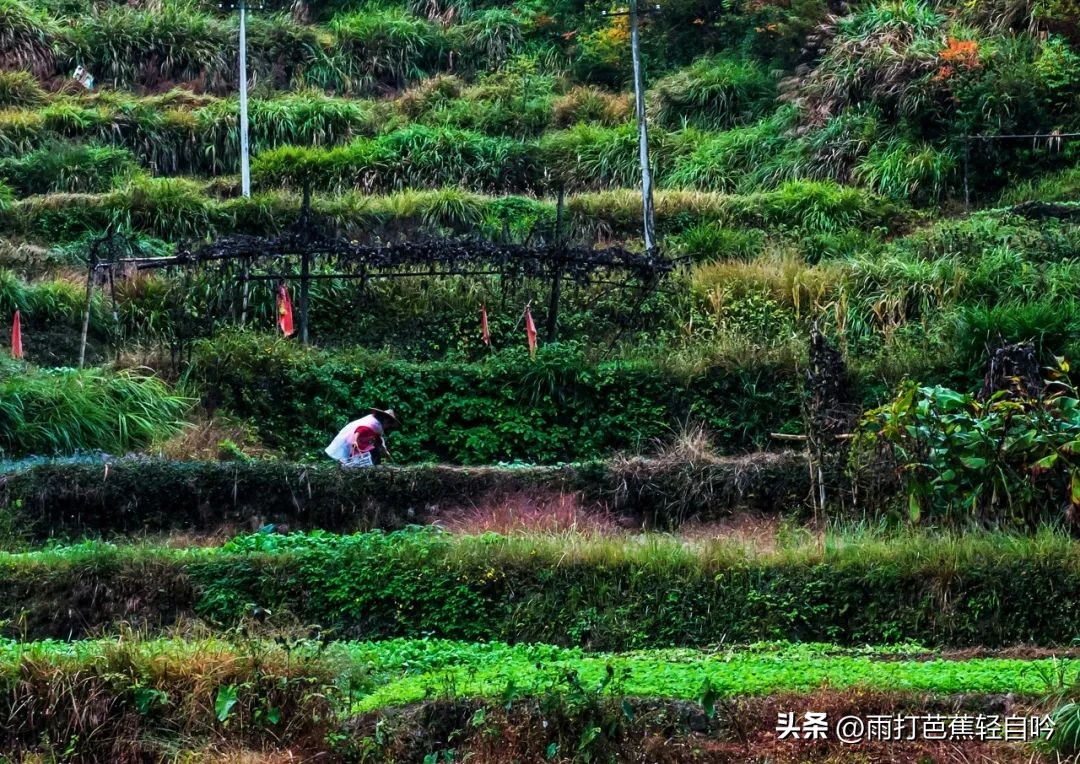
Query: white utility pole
point(245, 160)
point(647, 209)
point(643, 131)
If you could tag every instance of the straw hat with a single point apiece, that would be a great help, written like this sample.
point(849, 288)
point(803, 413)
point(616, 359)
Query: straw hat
point(388, 413)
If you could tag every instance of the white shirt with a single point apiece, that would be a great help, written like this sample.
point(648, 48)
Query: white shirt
point(341, 446)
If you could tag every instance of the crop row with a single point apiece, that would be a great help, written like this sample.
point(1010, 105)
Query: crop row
point(602, 594)
point(130, 697)
point(404, 671)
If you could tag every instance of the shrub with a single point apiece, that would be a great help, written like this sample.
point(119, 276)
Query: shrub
point(710, 241)
point(1000, 461)
point(555, 409)
point(901, 170)
point(590, 104)
point(414, 157)
point(588, 156)
point(1053, 325)
point(714, 94)
point(812, 206)
point(493, 35)
point(70, 500)
point(127, 46)
point(980, 590)
point(882, 55)
point(744, 158)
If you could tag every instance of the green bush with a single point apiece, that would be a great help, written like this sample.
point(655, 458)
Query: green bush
point(414, 157)
point(1052, 325)
point(744, 158)
point(557, 408)
point(710, 241)
point(386, 48)
point(75, 499)
point(127, 46)
point(28, 38)
point(915, 172)
point(1002, 461)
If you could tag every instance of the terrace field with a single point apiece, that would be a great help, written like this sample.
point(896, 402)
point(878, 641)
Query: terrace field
point(814, 452)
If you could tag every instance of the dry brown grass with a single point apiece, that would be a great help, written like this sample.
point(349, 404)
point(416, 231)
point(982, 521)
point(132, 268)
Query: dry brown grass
point(87, 705)
point(203, 440)
point(782, 276)
point(678, 732)
point(520, 512)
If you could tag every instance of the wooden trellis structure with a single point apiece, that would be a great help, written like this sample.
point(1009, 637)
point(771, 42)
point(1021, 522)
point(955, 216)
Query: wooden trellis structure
point(313, 249)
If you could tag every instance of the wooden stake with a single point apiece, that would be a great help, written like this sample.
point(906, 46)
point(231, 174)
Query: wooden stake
point(86, 310)
point(305, 280)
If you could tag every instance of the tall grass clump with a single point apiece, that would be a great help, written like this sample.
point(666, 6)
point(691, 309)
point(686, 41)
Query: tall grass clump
point(61, 411)
point(882, 55)
point(493, 36)
point(591, 157)
point(68, 168)
point(306, 118)
point(19, 89)
point(383, 48)
point(917, 172)
point(748, 157)
point(28, 39)
point(414, 157)
point(591, 104)
point(129, 47)
point(714, 94)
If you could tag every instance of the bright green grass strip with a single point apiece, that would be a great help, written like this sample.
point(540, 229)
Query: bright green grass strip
point(428, 669)
point(402, 671)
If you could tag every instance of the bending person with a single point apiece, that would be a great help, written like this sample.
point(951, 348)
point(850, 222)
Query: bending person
point(362, 442)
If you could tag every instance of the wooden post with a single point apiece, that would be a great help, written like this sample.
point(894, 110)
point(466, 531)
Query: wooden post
point(305, 280)
point(556, 270)
point(115, 315)
point(86, 309)
point(245, 289)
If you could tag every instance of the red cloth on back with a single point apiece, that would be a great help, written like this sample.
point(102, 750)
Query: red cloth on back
point(364, 439)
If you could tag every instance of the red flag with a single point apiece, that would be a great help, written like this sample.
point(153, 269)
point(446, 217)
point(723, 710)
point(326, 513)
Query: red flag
point(485, 335)
point(16, 337)
point(530, 331)
point(284, 311)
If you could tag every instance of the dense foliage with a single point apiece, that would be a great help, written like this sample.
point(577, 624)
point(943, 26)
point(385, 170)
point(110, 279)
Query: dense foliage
point(556, 408)
point(999, 460)
point(603, 594)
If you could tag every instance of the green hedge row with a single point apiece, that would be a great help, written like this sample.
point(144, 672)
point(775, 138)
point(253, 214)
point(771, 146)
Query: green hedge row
point(604, 594)
point(174, 209)
point(556, 408)
point(70, 499)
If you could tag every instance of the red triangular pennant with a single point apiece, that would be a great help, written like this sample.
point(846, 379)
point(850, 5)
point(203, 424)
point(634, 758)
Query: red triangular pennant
point(16, 336)
point(530, 331)
point(285, 322)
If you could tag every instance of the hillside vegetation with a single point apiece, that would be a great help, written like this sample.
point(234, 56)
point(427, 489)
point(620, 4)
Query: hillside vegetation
point(843, 417)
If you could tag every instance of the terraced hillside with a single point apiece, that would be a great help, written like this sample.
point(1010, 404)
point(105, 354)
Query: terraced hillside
point(822, 469)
